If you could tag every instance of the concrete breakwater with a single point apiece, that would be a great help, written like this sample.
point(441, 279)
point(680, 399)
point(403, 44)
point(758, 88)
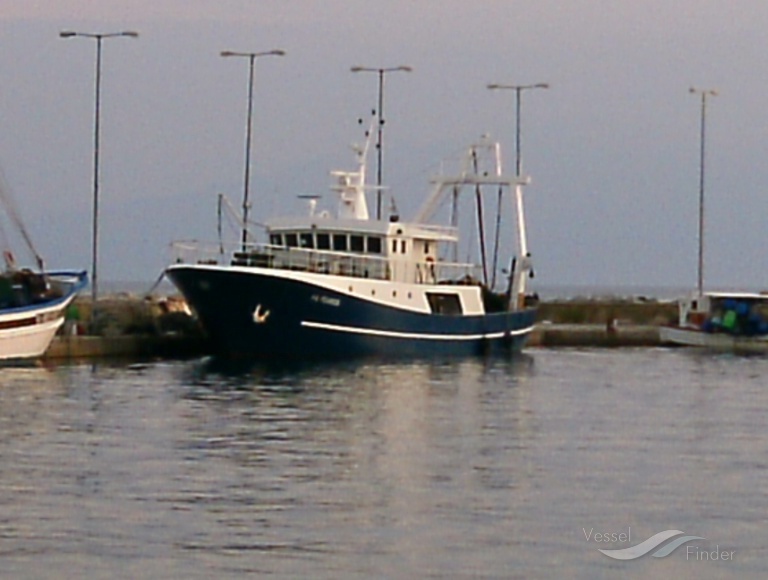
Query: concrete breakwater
point(132, 346)
point(591, 335)
point(602, 322)
point(130, 326)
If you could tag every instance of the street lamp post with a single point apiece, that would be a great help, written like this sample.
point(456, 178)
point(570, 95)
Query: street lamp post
point(381, 72)
point(704, 93)
point(518, 98)
point(251, 56)
point(96, 137)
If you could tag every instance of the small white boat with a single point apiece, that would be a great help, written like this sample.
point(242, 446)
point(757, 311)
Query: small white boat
point(32, 308)
point(724, 321)
point(32, 303)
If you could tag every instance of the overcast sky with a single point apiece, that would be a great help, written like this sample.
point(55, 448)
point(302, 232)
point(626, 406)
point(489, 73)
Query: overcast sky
point(613, 146)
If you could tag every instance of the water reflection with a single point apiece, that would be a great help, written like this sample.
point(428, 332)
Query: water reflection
point(230, 372)
point(25, 400)
point(439, 468)
point(365, 454)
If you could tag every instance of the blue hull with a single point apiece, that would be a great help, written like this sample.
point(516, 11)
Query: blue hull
point(298, 319)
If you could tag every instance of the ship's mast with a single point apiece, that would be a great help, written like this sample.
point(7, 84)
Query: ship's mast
point(351, 186)
point(473, 175)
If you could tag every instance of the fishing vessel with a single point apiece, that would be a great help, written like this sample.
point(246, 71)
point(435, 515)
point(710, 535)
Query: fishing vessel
point(33, 302)
point(724, 321)
point(32, 309)
point(341, 285)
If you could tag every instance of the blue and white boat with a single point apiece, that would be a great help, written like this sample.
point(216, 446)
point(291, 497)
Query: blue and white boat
point(349, 285)
point(33, 303)
point(32, 309)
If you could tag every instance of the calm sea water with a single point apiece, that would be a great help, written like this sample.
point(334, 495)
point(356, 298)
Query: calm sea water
point(480, 468)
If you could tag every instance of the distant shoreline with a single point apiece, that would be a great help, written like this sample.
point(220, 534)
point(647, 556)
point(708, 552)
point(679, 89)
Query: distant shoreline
point(547, 292)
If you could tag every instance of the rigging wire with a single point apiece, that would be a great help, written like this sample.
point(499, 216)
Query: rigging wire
point(480, 221)
point(226, 211)
point(496, 238)
point(14, 215)
point(455, 219)
point(148, 293)
point(425, 173)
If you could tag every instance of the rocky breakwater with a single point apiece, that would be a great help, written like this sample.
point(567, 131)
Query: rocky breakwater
point(126, 325)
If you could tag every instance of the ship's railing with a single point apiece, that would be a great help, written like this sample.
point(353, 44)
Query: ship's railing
point(322, 261)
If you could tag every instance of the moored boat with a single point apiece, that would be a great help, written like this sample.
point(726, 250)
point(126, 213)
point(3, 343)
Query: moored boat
point(724, 321)
point(32, 308)
point(33, 303)
point(349, 285)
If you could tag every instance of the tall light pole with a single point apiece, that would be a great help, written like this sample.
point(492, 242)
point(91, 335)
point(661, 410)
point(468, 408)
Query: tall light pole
point(518, 98)
point(704, 93)
point(251, 56)
point(96, 137)
point(381, 72)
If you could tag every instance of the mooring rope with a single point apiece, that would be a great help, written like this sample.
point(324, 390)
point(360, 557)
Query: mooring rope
point(149, 292)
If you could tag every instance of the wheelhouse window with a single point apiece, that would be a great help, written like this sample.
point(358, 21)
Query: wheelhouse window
point(306, 240)
point(276, 239)
point(291, 240)
point(374, 245)
point(357, 243)
point(440, 303)
point(323, 241)
point(340, 242)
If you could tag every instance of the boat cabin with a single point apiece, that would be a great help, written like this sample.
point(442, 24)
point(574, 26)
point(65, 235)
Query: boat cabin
point(738, 313)
point(350, 244)
point(394, 251)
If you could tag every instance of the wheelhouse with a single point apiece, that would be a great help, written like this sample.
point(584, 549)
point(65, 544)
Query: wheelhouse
point(394, 251)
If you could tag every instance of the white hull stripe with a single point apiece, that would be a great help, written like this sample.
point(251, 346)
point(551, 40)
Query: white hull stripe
point(414, 335)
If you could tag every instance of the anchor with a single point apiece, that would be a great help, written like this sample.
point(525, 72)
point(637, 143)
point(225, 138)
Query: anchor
point(258, 316)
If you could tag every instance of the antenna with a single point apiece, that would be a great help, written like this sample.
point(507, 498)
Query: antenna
point(311, 202)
